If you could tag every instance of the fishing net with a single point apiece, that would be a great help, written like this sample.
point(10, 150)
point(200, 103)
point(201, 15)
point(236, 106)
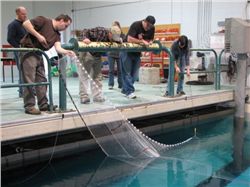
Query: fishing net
point(115, 134)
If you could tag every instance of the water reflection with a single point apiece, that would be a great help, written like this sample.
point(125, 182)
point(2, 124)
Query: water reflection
point(160, 172)
point(238, 145)
point(210, 161)
point(229, 175)
point(176, 178)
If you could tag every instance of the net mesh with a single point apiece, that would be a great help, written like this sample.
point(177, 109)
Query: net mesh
point(116, 135)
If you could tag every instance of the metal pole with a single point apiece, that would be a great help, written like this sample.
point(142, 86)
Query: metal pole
point(240, 87)
point(12, 72)
point(3, 73)
point(170, 84)
point(62, 84)
point(219, 68)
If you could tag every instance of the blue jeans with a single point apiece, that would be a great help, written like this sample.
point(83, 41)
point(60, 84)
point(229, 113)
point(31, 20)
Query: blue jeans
point(130, 65)
point(112, 61)
point(182, 65)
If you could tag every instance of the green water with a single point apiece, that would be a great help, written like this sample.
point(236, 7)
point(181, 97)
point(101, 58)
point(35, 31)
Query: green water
point(218, 156)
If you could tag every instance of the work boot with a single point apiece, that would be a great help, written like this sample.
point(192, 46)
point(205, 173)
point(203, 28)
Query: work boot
point(32, 111)
point(98, 99)
point(85, 100)
point(181, 93)
point(166, 94)
point(46, 108)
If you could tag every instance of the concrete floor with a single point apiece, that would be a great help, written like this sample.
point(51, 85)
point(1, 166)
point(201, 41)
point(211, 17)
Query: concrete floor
point(12, 106)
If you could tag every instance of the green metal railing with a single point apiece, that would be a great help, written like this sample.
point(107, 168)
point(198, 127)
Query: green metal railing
point(77, 46)
point(156, 47)
point(49, 83)
point(217, 68)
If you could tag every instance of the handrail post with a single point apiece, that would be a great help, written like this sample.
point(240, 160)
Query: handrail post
point(219, 68)
point(72, 45)
point(170, 84)
point(62, 84)
point(50, 81)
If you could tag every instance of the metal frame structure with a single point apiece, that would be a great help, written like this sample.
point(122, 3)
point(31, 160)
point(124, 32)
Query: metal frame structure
point(78, 46)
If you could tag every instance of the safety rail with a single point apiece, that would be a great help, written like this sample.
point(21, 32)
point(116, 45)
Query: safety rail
point(217, 68)
point(78, 46)
point(49, 83)
point(156, 47)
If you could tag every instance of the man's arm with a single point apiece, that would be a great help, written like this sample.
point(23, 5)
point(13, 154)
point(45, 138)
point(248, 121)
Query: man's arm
point(60, 50)
point(30, 28)
point(11, 35)
point(134, 40)
point(138, 41)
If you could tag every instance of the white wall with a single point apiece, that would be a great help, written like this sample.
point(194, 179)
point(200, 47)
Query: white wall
point(92, 13)
point(222, 10)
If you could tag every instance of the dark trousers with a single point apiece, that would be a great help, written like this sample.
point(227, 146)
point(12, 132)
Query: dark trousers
point(17, 60)
point(112, 61)
point(33, 71)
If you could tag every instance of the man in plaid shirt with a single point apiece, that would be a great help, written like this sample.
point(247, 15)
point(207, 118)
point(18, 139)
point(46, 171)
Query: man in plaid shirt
point(91, 61)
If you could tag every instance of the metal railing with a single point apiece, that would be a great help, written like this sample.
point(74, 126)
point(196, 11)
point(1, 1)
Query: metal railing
point(49, 83)
point(217, 68)
point(77, 46)
point(156, 47)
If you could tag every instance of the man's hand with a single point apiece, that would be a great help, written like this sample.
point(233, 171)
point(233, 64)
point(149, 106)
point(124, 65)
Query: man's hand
point(145, 42)
point(43, 41)
point(86, 41)
point(188, 72)
point(70, 53)
point(60, 50)
point(177, 69)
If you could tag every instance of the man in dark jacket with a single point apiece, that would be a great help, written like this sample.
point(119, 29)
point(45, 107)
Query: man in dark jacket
point(15, 33)
point(16, 30)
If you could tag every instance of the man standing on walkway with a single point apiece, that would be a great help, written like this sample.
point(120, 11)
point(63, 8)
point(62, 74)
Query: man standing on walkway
point(181, 53)
point(140, 32)
point(15, 33)
point(43, 33)
point(91, 62)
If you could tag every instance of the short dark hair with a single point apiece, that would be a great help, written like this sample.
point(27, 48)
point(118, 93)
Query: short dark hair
point(183, 41)
point(63, 17)
point(150, 19)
